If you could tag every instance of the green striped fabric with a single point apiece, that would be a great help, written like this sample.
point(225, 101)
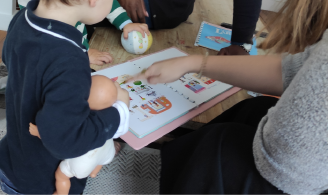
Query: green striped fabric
point(81, 27)
point(118, 15)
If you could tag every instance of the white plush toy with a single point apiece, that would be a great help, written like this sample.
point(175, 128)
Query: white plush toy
point(135, 43)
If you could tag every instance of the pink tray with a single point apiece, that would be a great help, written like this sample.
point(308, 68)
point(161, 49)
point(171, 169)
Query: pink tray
point(139, 143)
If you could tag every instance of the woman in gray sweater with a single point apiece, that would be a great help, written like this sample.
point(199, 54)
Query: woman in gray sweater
point(261, 145)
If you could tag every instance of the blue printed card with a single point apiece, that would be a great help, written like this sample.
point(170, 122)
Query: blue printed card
point(217, 37)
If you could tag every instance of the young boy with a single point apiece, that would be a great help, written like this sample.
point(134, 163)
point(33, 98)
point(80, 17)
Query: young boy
point(118, 17)
point(49, 84)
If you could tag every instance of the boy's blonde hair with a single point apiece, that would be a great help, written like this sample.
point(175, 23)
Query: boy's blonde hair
point(298, 24)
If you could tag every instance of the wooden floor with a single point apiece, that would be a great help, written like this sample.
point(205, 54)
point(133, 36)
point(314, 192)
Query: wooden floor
point(2, 40)
point(183, 37)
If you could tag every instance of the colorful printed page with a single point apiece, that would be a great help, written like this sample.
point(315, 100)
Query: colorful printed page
point(217, 37)
point(153, 106)
point(198, 90)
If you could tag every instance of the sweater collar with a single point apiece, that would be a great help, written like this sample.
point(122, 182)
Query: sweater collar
point(53, 27)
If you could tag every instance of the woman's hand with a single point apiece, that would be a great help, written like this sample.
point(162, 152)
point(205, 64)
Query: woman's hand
point(170, 70)
point(142, 28)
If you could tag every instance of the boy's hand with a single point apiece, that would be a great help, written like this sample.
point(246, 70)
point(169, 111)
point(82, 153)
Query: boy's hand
point(122, 95)
point(99, 58)
point(142, 28)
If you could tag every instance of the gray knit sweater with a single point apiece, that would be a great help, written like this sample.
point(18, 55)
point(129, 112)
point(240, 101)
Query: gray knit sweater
point(291, 144)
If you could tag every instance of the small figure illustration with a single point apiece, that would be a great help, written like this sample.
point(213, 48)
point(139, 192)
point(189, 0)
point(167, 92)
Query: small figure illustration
point(195, 86)
point(141, 89)
point(218, 39)
point(204, 79)
point(121, 79)
point(142, 116)
point(155, 103)
point(161, 104)
point(143, 99)
point(153, 93)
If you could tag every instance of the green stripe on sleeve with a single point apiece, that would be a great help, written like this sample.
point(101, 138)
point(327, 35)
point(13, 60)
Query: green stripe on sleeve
point(21, 7)
point(120, 20)
point(115, 5)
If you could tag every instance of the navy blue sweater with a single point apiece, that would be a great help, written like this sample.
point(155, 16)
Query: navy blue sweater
point(49, 84)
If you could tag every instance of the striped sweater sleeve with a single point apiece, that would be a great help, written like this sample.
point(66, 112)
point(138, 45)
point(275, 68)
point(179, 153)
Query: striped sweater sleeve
point(118, 16)
point(22, 3)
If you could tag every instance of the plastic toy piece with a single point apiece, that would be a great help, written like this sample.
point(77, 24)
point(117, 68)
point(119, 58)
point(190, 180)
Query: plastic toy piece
point(153, 93)
point(103, 94)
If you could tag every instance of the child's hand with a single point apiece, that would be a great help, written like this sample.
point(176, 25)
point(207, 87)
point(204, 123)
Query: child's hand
point(34, 130)
point(142, 28)
point(99, 58)
point(122, 95)
point(170, 70)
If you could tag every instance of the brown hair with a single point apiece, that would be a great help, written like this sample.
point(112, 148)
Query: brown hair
point(298, 24)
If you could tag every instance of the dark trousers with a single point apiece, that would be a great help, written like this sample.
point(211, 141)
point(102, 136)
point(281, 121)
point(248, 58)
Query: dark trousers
point(218, 158)
point(6, 185)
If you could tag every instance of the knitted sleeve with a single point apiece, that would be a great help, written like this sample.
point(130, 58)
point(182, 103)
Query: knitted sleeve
point(291, 64)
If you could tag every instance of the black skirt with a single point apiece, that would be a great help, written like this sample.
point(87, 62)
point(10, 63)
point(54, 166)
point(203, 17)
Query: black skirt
point(218, 158)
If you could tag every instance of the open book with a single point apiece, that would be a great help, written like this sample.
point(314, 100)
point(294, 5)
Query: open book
point(153, 106)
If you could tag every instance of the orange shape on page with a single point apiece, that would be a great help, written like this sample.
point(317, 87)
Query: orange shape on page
point(162, 101)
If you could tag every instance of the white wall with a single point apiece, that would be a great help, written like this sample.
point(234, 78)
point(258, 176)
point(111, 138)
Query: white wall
point(7, 11)
point(272, 5)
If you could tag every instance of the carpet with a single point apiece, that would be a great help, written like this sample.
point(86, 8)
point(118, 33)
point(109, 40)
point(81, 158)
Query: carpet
point(130, 172)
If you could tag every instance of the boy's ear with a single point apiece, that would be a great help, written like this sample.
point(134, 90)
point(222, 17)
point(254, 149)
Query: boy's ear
point(92, 3)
